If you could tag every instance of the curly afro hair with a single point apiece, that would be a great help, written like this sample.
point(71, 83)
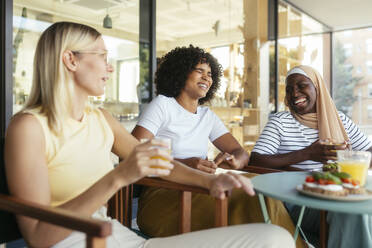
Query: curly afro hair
point(175, 67)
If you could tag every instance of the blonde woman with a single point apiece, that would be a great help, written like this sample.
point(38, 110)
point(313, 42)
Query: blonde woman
point(57, 152)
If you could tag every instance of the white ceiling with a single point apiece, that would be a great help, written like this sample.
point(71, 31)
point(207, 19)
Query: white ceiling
point(180, 21)
point(338, 14)
point(175, 18)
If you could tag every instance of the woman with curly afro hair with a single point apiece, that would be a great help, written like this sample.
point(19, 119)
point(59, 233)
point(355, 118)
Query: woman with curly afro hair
point(186, 78)
point(175, 67)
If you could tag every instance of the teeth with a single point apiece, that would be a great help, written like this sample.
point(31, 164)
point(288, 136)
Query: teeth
point(203, 85)
point(300, 100)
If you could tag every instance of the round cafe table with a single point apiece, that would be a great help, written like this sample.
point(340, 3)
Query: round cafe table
point(282, 186)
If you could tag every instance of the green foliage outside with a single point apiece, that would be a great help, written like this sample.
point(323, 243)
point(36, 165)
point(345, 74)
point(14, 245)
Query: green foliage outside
point(343, 81)
point(143, 88)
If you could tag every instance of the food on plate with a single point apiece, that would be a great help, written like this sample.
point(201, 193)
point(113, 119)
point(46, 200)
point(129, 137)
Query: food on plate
point(331, 167)
point(324, 183)
point(335, 184)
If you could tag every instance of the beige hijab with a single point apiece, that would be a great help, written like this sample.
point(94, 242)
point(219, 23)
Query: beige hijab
point(326, 118)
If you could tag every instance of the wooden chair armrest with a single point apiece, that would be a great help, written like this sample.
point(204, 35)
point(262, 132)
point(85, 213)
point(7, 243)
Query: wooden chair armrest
point(264, 170)
point(289, 168)
point(185, 193)
point(158, 182)
point(60, 217)
point(259, 169)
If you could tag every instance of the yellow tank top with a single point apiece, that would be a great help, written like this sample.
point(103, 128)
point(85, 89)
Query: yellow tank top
point(80, 158)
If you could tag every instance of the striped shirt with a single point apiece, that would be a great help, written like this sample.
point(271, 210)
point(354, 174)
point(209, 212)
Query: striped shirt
point(284, 134)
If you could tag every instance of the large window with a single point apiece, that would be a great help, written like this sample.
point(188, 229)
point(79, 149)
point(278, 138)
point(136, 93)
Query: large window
point(302, 40)
point(369, 45)
point(234, 31)
point(32, 18)
point(348, 49)
point(352, 76)
point(247, 94)
point(240, 47)
point(369, 67)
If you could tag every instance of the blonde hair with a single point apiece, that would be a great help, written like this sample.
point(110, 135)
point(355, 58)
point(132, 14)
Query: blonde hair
point(52, 85)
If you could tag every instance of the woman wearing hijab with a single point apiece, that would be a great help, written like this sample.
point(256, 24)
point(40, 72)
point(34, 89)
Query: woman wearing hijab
point(298, 138)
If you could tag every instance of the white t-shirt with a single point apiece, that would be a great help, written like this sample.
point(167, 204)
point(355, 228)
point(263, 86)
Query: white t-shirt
point(284, 134)
point(164, 117)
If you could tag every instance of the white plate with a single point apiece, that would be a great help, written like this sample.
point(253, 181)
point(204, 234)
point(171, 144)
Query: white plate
point(350, 197)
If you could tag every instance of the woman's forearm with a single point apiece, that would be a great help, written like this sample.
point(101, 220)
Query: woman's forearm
point(183, 174)
point(185, 161)
point(278, 160)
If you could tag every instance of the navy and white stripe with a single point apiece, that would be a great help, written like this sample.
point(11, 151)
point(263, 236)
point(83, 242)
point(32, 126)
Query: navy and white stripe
point(283, 134)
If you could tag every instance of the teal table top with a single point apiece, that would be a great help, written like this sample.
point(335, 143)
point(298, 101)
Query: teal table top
point(282, 186)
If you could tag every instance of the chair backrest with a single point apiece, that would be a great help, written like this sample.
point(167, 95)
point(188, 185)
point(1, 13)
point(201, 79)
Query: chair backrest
point(8, 226)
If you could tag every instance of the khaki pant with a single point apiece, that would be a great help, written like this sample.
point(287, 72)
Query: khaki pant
point(158, 212)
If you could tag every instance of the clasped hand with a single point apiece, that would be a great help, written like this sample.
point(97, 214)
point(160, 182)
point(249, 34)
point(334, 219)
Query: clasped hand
point(201, 164)
point(227, 160)
point(223, 159)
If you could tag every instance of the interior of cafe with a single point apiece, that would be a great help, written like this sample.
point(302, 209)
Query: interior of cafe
point(255, 41)
point(254, 50)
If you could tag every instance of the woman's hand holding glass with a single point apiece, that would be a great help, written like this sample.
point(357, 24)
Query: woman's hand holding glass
point(228, 181)
point(324, 150)
point(148, 158)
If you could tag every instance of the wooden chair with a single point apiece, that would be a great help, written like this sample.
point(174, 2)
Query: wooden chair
point(119, 207)
point(123, 203)
point(96, 230)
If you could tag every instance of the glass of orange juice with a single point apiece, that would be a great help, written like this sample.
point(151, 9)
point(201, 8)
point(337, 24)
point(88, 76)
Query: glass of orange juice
point(335, 145)
point(168, 148)
point(356, 163)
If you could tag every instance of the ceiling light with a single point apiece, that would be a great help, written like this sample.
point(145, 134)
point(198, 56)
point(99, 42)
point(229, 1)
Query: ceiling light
point(216, 27)
point(107, 22)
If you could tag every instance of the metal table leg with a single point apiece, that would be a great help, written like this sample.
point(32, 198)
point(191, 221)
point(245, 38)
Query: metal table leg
point(263, 208)
point(298, 226)
point(268, 221)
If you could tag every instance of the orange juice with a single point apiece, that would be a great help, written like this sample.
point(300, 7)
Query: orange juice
point(159, 157)
point(167, 149)
point(357, 169)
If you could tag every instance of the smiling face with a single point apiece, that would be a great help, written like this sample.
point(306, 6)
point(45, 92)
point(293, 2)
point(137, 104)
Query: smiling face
point(92, 70)
point(301, 94)
point(198, 81)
